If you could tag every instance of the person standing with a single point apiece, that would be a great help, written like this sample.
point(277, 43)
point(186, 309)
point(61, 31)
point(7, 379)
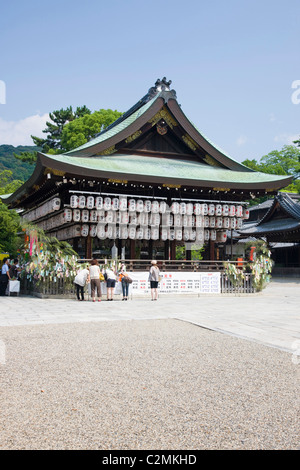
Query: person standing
point(110, 283)
point(81, 279)
point(122, 279)
point(154, 279)
point(95, 279)
point(5, 276)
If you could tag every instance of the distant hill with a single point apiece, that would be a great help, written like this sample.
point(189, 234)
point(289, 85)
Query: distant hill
point(20, 170)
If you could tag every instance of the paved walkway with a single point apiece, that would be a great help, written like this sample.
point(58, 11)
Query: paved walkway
point(270, 317)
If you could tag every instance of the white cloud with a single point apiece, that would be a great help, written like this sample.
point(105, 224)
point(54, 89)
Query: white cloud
point(241, 140)
point(286, 139)
point(19, 132)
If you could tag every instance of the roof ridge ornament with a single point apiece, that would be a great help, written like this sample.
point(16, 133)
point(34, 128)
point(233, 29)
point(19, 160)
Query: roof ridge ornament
point(161, 86)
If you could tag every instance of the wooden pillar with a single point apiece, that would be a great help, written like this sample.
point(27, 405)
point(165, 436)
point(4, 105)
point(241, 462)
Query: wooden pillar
point(173, 250)
point(211, 250)
point(132, 249)
point(88, 247)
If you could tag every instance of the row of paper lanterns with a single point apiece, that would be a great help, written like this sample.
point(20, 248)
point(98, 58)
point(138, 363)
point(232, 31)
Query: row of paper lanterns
point(44, 209)
point(141, 233)
point(138, 205)
point(153, 219)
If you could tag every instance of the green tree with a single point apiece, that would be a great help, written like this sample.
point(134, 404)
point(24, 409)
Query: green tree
point(7, 184)
point(10, 242)
point(81, 130)
point(59, 140)
point(280, 162)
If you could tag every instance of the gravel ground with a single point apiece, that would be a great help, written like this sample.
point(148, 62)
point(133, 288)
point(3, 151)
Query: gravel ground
point(161, 384)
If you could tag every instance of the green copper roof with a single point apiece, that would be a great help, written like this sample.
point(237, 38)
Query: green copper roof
point(162, 168)
point(112, 131)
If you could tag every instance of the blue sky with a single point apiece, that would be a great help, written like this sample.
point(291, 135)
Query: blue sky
point(232, 64)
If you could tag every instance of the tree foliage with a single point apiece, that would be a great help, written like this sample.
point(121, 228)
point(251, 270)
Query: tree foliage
point(81, 130)
point(280, 162)
point(67, 129)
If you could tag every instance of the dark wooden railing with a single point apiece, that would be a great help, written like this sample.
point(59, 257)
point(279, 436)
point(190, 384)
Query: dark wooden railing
point(172, 265)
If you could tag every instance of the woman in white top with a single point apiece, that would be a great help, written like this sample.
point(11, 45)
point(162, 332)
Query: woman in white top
point(80, 280)
point(95, 279)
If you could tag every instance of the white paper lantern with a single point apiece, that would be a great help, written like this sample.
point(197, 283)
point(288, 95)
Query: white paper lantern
point(81, 202)
point(133, 218)
point(226, 222)
point(186, 234)
point(239, 211)
point(246, 214)
point(93, 216)
point(115, 202)
point(84, 230)
point(206, 221)
point(139, 205)
point(147, 206)
point(178, 233)
point(101, 215)
point(76, 215)
point(139, 233)
point(101, 231)
point(67, 215)
point(124, 217)
point(132, 232)
point(124, 232)
point(99, 202)
point(175, 207)
point(199, 221)
point(199, 235)
point(56, 204)
point(189, 208)
point(90, 202)
point(219, 222)
point(211, 209)
point(154, 219)
point(93, 230)
point(155, 207)
point(132, 205)
point(107, 203)
point(162, 207)
point(164, 234)
point(182, 208)
point(221, 237)
point(231, 211)
point(233, 223)
point(197, 209)
point(225, 210)
point(218, 211)
point(206, 235)
point(204, 208)
point(171, 234)
point(74, 201)
point(212, 222)
point(147, 233)
point(123, 204)
point(109, 231)
point(184, 220)
point(213, 235)
point(191, 220)
point(177, 220)
point(85, 215)
point(143, 218)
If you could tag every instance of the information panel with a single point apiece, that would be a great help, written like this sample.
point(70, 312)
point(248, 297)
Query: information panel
point(177, 283)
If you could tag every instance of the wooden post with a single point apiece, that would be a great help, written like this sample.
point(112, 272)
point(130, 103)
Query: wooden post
point(88, 247)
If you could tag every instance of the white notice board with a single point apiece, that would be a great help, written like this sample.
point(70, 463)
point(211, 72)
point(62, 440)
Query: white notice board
point(177, 283)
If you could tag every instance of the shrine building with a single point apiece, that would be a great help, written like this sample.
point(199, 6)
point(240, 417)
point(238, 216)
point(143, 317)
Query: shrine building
point(147, 184)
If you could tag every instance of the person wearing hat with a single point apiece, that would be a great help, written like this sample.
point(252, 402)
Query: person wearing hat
point(154, 279)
